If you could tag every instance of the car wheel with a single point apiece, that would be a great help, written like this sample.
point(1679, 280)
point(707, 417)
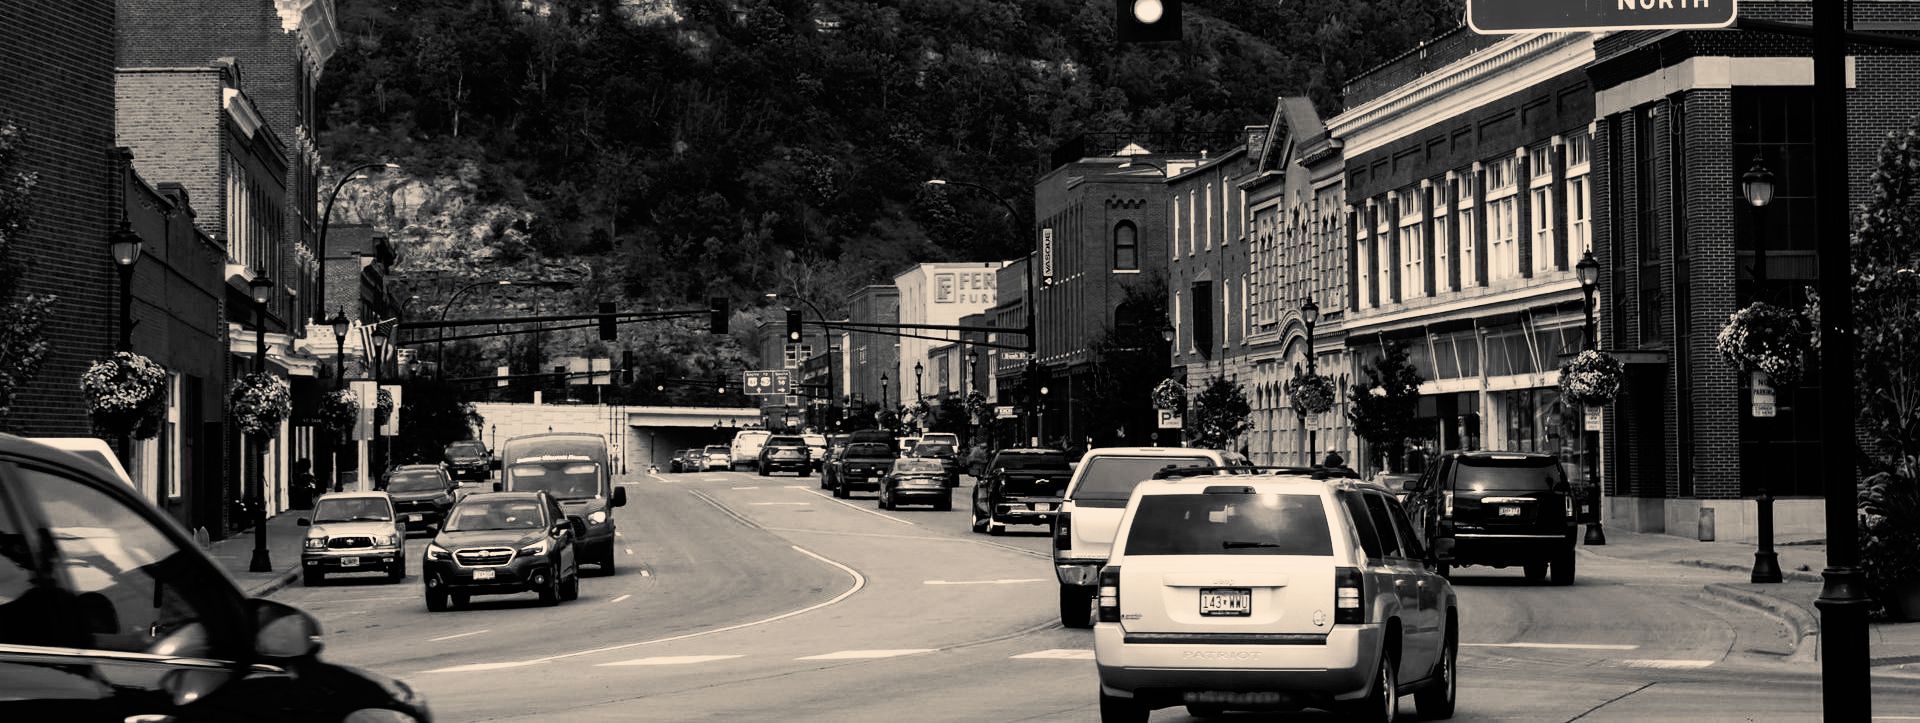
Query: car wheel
point(979, 523)
point(1114, 709)
point(1563, 567)
point(1436, 701)
point(945, 504)
point(399, 570)
point(312, 578)
point(1076, 606)
point(1536, 571)
point(1206, 711)
point(459, 599)
point(840, 491)
point(1382, 702)
point(996, 528)
point(436, 601)
point(570, 589)
point(550, 595)
point(606, 560)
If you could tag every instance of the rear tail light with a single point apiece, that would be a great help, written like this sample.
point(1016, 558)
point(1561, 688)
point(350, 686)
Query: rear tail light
point(1569, 500)
point(1349, 596)
point(1061, 541)
point(1109, 595)
point(1446, 503)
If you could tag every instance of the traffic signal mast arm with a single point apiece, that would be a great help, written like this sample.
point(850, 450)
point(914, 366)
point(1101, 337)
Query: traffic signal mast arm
point(892, 329)
point(590, 321)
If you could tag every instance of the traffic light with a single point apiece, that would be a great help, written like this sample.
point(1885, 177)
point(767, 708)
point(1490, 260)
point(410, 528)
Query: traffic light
point(1147, 21)
point(608, 330)
point(717, 314)
point(793, 326)
point(626, 367)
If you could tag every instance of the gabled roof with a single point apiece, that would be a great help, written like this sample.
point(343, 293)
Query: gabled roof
point(1295, 126)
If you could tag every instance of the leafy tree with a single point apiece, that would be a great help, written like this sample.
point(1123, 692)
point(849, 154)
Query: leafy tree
point(22, 347)
point(949, 415)
point(1382, 410)
point(1219, 414)
point(432, 415)
point(1128, 359)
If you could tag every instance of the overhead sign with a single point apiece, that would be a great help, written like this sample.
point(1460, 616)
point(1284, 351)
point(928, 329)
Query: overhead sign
point(1170, 419)
point(1046, 255)
point(767, 381)
point(1501, 17)
point(1763, 403)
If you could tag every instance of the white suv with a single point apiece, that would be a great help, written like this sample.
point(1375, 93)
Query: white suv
point(1272, 591)
point(1090, 513)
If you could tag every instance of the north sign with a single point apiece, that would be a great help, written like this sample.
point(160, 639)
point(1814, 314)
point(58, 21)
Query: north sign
point(1500, 17)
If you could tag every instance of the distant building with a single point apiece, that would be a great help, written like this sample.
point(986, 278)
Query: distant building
point(938, 293)
point(873, 360)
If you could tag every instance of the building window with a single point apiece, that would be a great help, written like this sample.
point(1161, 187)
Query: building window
point(1383, 287)
point(1466, 272)
point(1645, 195)
point(1540, 207)
point(1208, 242)
point(1413, 267)
point(1437, 199)
point(1126, 247)
point(1173, 240)
point(1193, 221)
point(1579, 226)
point(1503, 218)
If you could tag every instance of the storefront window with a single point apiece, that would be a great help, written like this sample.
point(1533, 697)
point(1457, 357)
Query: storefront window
point(1535, 420)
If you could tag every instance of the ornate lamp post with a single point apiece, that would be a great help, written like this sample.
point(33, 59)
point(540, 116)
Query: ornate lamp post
point(919, 397)
point(339, 324)
point(379, 360)
point(125, 245)
point(262, 289)
point(883, 399)
point(1757, 186)
point(1588, 269)
point(320, 295)
point(1309, 317)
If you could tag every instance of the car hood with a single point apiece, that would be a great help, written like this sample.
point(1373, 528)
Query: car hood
point(466, 460)
point(410, 496)
point(488, 538)
point(349, 529)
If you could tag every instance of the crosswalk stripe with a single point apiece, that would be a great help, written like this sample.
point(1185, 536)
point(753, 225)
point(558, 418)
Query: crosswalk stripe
point(670, 660)
point(1056, 654)
point(867, 654)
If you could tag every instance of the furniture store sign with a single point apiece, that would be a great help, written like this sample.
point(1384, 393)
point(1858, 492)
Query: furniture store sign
point(965, 287)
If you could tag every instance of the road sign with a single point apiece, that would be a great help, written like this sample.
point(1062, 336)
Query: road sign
point(767, 381)
point(1046, 255)
point(1013, 355)
point(1763, 405)
point(1593, 420)
point(1003, 411)
point(1499, 17)
point(1170, 419)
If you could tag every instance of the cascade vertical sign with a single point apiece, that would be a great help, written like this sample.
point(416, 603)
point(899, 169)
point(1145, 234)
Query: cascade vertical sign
point(1500, 17)
point(1046, 256)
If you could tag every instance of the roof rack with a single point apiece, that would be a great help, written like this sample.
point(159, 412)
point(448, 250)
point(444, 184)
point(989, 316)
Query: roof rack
point(1316, 472)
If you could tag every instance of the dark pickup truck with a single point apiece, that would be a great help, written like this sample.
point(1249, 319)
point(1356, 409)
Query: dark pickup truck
point(862, 465)
point(1021, 487)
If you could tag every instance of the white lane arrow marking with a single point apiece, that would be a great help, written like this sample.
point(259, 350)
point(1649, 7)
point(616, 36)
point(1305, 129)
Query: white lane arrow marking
point(868, 654)
point(1056, 654)
point(1553, 646)
point(1002, 581)
point(456, 635)
point(670, 660)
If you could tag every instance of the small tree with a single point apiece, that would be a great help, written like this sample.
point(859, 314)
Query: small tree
point(1382, 409)
point(1219, 414)
point(433, 415)
point(22, 347)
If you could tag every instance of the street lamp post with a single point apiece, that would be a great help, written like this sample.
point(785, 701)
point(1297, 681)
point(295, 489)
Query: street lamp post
point(262, 289)
point(1040, 424)
point(1757, 186)
point(320, 291)
point(884, 401)
point(125, 245)
point(379, 360)
point(1309, 317)
point(339, 324)
point(919, 397)
point(966, 397)
point(1588, 269)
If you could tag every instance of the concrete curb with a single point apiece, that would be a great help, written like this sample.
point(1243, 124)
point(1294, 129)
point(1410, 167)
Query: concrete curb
point(272, 586)
point(1801, 625)
point(1784, 574)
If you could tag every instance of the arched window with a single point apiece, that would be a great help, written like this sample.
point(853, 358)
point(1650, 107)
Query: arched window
point(1126, 247)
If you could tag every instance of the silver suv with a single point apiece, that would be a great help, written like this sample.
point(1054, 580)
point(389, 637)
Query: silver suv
point(1272, 591)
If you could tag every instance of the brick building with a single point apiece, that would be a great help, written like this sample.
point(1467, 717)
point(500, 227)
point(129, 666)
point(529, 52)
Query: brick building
point(871, 357)
point(1681, 117)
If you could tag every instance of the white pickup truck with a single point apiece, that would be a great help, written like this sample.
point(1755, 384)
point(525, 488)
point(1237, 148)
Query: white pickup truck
point(1090, 514)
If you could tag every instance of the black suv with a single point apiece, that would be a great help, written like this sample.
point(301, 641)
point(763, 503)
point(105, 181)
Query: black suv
point(862, 465)
point(498, 543)
point(1020, 487)
point(785, 453)
point(468, 460)
point(422, 494)
point(1497, 509)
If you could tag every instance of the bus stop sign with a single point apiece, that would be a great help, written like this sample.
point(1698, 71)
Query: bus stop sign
point(1499, 17)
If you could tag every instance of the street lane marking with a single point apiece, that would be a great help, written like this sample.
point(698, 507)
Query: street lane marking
point(670, 660)
point(658, 478)
point(1056, 654)
point(747, 488)
point(794, 504)
point(646, 573)
point(1553, 646)
point(868, 654)
point(477, 667)
point(714, 479)
point(629, 550)
point(798, 487)
point(1664, 664)
point(457, 635)
point(853, 506)
point(933, 538)
point(622, 597)
point(1002, 581)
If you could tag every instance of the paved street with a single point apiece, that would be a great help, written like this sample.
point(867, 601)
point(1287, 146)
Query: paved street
point(754, 598)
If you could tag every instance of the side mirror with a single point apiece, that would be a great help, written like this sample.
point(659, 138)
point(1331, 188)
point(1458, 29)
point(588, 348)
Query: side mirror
point(619, 497)
point(282, 631)
point(1410, 485)
point(303, 522)
point(579, 526)
point(1442, 549)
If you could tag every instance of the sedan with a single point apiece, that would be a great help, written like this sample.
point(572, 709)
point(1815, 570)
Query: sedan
point(916, 480)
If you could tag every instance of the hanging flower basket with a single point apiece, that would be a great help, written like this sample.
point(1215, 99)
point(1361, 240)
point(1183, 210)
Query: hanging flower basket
point(338, 411)
point(1311, 393)
point(260, 401)
point(1591, 379)
point(1169, 394)
point(126, 394)
point(383, 408)
point(1767, 338)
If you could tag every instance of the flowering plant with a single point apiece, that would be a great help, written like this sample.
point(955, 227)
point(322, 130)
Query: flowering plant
point(1768, 338)
point(1592, 378)
point(1311, 393)
point(338, 411)
point(126, 393)
point(260, 401)
point(383, 408)
point(1170, 394)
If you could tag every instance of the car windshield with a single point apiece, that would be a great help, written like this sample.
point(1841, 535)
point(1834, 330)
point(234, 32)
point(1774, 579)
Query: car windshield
point(567, 480)
point(1113, 477)
point(1030, 462)
point(929, 449)
point(466, 449)
point(815, 440)
point(785, 442)
point(717, 449)
point(868, 449)
point(1520, 474)
point(496, 515)
point(415, 482)
point(353, 509)
point(1230, 524)
point(918, 465)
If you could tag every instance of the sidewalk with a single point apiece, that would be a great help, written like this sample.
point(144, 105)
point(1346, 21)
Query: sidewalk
point(283, 547)
point(1892, 646)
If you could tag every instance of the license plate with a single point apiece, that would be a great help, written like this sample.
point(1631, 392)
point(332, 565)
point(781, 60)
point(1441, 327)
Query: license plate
point(1042, 506)
point(483, 574)
point(1232, 697)
point(413, 518)
point(1509, 511)
point(1226, 601)
point(349, 562)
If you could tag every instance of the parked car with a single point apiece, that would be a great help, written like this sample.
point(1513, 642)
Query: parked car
point(1021, 487)
point(572, 467)
point(184, 644)
point(1090, 513)
point(93, 449)
point(862, 466)
point(422, 494)
point(943, 451)
point(1272, 591)
point(784, 453)
point(915, 480)
point(353, 532)
point(503, 543)
point(1498, 509)
point(717, 457)
point(745, 449)
point(468, 460)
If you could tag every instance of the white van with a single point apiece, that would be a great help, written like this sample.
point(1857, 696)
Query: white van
point(746, 447)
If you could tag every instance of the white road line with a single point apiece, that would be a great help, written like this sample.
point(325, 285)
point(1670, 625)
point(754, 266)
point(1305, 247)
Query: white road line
point(792, 504)
point(747, 488)
point(628, 549)
point(853, 506)
point(622, 597)
point(1002, 581)
point(867, 654)
point(714, 479)
point(1664, 664)
point(355, 600)
point(456, 635)
point(658, 478)
point(477, 667)
point(798, 487)
point(646, 573)
point(1056, 654)
point(671, 660)
point(1553, 646)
